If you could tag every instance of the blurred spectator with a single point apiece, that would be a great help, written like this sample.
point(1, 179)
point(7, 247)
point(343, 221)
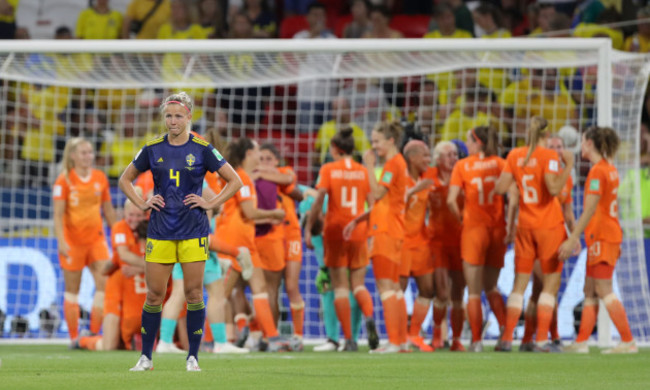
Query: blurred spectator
point(640, 42)
point(532, 18)
point(563, 6)
point(130, 136)
point(22, 33)
point(212, 18)
point(446, 26)
point(99, 22)
point(379, 24)
point(313, 95)
point(341, 119)
point(589, 11)
point(471, 113)
point(143, 18)
point(513, 18)
point(426, 109)
point(297, 7)
point(462, 16)
point(368, 103)
point(264, 24)
point(63, 32)
point(8, 10)
point(487, 18)
point(582, 85)
point(599, 29)
point(241, 27)
point(182, 23)
point(360, 24)
point(545, 13)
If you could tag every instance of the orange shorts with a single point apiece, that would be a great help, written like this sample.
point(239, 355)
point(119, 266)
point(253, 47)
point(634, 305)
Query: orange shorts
point(346, 254)
point(542, 244)
point(293, 249)
point(447, 257)
point(383, 268)
point(113, 294)
point(255, 259)
point(600, 271)
point(483, 245)
point(82, 256)
point(271, 253)
point(416, 261)
point(603, 252)
point(384, 245)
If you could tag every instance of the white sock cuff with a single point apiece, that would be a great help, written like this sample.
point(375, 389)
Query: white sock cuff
point(297, 306)
point(610, 298)
point(98, 300)
point(546, 299)
point(261, 296)
point(241, 316)
point(473, 296)
point(385, 295)
point(515, 300)
point(423, 301)
point(70, 297)
point(399, 294)
point(457, 305)
point(341, 293)
point(358, 289)
point(439, 304)
point(590, 302)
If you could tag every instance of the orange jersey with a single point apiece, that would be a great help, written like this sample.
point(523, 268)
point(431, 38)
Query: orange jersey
point(565, 195)
point(232, 225)
point(477, 178)
point(122, 235)
point(212, 180)
point(134, 289)
point(603, 226)
point(347, 185)
point(82, 220)
point(387, 216)
point(291, 222)
point(538, 209)
point(415, 230)
point(444, 228)
point(145, 182)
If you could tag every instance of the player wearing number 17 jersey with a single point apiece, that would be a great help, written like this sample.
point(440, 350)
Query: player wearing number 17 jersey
point(346, 184)
point(540, 229)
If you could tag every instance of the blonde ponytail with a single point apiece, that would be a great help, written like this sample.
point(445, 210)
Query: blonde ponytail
point(536, 131)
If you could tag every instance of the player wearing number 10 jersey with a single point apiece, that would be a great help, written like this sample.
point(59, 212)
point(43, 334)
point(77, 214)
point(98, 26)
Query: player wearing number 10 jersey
point(540, 229)
point(348, 188)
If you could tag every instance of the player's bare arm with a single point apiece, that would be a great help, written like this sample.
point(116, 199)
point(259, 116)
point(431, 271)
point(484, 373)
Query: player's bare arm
point(572, 244)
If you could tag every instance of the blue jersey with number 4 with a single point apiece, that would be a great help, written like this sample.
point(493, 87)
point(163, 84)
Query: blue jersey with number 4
point(178, 170)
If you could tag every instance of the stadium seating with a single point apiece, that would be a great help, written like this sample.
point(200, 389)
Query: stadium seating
point(412, 26)
point(291, 25)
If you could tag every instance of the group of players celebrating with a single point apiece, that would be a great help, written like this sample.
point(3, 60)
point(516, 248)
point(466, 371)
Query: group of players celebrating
point(475, 207)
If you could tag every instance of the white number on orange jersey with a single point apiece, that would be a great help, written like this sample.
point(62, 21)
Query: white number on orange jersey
point(74, 198)
point(613, 207)
point(350, 202)
point(530, 193)
point(140, 284)
point(480, 188)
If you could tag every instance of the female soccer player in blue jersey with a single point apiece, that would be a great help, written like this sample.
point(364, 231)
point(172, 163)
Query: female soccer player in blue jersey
point(179, 227)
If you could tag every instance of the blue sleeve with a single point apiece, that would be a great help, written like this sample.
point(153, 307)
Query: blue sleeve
point(213, 159)
point(141, 160)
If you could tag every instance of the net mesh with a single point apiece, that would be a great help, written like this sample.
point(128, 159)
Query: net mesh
point(297, 101)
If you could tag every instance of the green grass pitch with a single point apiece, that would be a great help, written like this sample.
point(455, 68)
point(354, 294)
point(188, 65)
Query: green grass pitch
point(55, 367)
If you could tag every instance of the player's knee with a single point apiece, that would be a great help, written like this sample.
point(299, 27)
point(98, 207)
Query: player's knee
point(194, 295)
point(155, 298)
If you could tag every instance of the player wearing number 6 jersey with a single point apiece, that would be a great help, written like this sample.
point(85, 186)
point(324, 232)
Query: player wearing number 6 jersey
point(540, 229)
point(178, 227)
point(348, 188)
point(603, 237)
point(483, 238)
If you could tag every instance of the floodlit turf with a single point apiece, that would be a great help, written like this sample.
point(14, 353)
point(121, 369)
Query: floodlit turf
point(56, 367)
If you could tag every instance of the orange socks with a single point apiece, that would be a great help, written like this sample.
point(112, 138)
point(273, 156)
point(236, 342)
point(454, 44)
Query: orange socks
point(530, 318)
point(555, 335)
point(618, 316)
point(420, 310)
point(241, 320)
point(343, 311)
point(71, 314)
point(513, 311)
point(588, 320)
point(96, 318)
point(545, 305)
point(457, 320)
point(475, 316)
point(498, 306)
point(90, 343)
point(263, 314)
point(298, 317)
point(391, 316)
point(364, 300)
point(402, 317)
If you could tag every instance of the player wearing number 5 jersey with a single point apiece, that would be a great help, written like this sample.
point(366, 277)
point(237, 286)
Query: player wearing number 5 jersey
point(540, 229)
point(346, 184)
point(484, 230)
point(178, 227)
point(603, 237)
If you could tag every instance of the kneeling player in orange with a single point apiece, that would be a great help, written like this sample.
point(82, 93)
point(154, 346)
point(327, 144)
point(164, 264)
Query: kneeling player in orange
point(444, 235)
point(80, 194)
point(483, 238)
point(125, 289)
point(603, 237)
point(540, 229)
point(416, 255)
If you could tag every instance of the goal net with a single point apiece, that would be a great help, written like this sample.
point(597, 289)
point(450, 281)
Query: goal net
point(296, 95)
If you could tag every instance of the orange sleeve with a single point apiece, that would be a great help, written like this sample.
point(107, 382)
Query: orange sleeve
point(595, 181)
point(61, 190)
point(551, 163)
point(212, 178)
point(389, 173)
point(456, 176)
point(119, 235)
point(323, 178)
point(290, 187)
point(247, 190)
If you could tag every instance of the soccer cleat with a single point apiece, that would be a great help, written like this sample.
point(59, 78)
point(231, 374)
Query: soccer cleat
point(328, 346)
point(295, 344)
point(506, 346)
point(576, 347)
point(164, 347)
point(457, 346)
point(143, 364)
point(629, 347)
point(373, 337)
point(228, 348)
point(405, 348)
point(419, 343)
point(349, 346)
point(548, 347)
point(389, 348)
point(242, 337)
point(558, 342)
point(192, 364)
point(245, 262)
point(278, 344)
point(476, 346)
point(527, 347)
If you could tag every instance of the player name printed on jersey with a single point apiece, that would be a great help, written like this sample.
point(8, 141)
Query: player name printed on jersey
point(553, 165)
point(347, 175)
point(482, 165)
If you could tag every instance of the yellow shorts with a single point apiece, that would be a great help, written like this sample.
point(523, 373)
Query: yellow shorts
point(177, 251)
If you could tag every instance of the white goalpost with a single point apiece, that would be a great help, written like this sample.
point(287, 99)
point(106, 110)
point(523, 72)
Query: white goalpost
point(293, 93)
